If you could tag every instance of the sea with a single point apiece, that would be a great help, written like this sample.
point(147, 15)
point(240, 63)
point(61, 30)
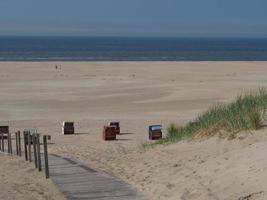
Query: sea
point(39, 48)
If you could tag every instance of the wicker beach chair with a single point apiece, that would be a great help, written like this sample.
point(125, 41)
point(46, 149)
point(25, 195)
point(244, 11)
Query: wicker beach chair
point(5, 131)
point(116, 125)
point(68, 128)
point(155, 132)
point(109, 133)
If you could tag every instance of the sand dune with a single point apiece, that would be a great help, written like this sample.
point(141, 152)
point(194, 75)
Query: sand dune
point(36, 95)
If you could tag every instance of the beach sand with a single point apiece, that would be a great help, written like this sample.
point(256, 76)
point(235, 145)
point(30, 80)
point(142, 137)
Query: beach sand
point(36, 95)
point(19, 180)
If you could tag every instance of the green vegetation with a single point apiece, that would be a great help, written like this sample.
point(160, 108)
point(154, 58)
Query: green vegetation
point(248, 112)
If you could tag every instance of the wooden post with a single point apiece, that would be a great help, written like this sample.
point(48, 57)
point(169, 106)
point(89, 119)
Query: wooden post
point(0, 141)
point(10, 140)
point(29, 147)
point(8, 144)
point(34, 149)
point(38, 152)
point(19, 145)
point(25, 138)
point(3, 142)
point(46, 156)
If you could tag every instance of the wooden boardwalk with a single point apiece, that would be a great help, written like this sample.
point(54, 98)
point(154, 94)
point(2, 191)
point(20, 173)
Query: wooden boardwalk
point(80, 182)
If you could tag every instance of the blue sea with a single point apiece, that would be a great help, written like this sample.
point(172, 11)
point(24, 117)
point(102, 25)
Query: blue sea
point(131, 49)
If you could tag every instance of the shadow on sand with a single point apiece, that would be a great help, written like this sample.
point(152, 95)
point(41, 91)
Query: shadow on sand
point(126, 133)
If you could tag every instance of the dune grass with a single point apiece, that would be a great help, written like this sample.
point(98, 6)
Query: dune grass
point(247, 112)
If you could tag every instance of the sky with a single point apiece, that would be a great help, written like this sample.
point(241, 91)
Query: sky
point(149, 18)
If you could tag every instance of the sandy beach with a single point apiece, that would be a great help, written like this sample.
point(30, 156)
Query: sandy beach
point(19, 180)
point(37, 95)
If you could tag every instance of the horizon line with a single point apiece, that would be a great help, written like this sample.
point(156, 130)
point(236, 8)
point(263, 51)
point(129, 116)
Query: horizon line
point(139, 36)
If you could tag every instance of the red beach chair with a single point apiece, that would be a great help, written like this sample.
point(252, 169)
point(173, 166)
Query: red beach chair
point(109, 133)
point(117, 126)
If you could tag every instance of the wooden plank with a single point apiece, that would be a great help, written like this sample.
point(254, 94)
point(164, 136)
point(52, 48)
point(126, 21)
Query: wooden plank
point(78, 181)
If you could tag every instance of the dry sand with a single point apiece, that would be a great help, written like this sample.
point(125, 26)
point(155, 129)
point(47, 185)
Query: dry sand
point(36, 95)
point(19, 180)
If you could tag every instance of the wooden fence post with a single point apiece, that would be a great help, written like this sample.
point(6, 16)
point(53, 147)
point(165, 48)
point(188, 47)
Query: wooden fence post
point(25, 138)
point(46, 156)
point(17, 146)
point(29, 146)
point(8, 144)
point(0, 141)
point(34, 149)
point(19, 141)
point(10, 140)
point(38, 152)
point(3, 142)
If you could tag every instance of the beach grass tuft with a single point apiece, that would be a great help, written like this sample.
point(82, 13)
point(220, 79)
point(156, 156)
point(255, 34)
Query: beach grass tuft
point(247, 112)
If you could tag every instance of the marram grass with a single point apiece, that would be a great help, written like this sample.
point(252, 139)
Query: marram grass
point(247, 112)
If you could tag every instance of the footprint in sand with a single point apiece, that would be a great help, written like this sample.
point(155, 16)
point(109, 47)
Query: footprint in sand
point(201, 161)
point(170, 186)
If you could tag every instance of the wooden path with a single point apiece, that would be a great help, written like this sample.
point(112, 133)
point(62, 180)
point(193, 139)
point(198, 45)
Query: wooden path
point(79, 182)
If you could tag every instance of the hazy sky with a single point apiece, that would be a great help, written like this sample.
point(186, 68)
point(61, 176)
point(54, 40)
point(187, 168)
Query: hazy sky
point(246, 18)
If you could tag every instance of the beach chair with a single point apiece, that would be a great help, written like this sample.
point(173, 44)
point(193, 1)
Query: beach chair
point(109, 133)
point(5, 131)
point(68, 128)
point(116, 125)
point(155, 132)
